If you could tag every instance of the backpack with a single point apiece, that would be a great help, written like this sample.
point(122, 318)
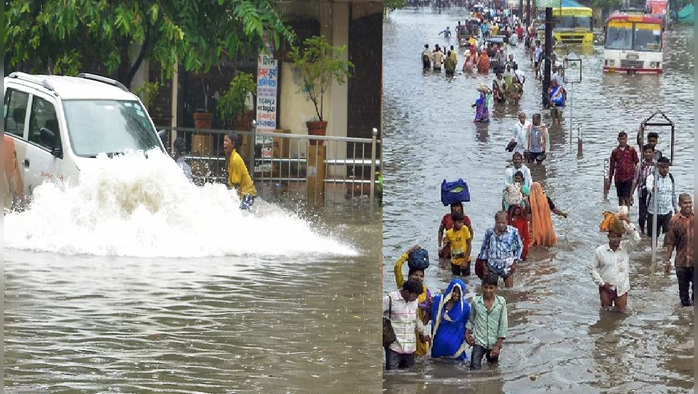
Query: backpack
point(454, 192)
point(388, 331)
point(425, 58)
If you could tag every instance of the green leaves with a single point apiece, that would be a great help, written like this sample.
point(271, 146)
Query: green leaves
point(394, 4)
point(319, 64)
point(57, 33)
point(231, 105)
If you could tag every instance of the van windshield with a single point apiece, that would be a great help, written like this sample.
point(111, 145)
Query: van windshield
point(108, 126)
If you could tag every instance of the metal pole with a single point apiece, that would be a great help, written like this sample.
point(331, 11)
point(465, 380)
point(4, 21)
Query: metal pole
point(654, 216)
point(373, 164)
point(528, 13)
point(571, 109)
point(548, 53)
point(253, 142)
point(175, 87)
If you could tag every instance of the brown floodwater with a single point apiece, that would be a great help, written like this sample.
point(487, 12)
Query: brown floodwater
point(559, 339)
point(224, 312)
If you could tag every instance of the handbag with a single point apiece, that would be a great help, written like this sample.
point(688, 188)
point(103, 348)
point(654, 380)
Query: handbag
point(480, 267)
point(388, 332)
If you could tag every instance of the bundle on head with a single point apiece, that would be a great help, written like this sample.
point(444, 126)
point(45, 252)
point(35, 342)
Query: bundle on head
point(419, 259)
point(611, 223)
point(513, 195)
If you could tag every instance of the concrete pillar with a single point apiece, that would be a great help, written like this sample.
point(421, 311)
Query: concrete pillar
point(339, 93)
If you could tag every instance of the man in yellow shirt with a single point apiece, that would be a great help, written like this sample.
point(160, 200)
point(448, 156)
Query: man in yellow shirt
point(460, 241)
point(238, 177)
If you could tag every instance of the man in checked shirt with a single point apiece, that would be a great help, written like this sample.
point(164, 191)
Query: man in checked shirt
point(623, 160)
point(667, 203)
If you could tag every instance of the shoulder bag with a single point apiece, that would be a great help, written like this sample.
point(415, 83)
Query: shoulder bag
point(388, 332)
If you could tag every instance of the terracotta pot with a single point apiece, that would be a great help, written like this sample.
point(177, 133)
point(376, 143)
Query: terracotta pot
point(316, 128)
point(244, 124)
point(203, 120)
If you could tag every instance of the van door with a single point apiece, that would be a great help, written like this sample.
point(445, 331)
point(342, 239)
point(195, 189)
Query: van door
point(15, 148)
point(44, 156)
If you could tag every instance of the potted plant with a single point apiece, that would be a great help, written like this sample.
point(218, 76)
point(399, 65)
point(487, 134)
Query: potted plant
point(232, 106)
point(318, 64)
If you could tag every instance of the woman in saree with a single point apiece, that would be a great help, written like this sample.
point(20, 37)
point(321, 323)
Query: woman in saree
point(449, 314)
point(482, 111)
point(542, 232)
point(469, 64)
point(483, 63)
point(498, 88)
point(514, 90)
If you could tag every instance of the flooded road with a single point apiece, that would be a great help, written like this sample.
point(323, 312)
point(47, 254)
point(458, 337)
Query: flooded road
point(154, 306)
point(559, 340)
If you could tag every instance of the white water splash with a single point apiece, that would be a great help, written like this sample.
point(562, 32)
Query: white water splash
point(138, 207)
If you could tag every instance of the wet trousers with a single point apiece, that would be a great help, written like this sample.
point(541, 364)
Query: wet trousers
point(685, 278)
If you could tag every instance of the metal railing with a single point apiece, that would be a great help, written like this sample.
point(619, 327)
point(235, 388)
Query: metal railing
point(285, 165)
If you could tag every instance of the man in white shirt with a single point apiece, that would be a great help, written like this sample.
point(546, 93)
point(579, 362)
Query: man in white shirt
point(401, 308)
point(521, 130)
point(517, 160)
point(610, 267)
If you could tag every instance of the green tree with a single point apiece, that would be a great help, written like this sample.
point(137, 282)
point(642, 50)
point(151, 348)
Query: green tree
point(389, 5)
point(54, 35)
point(605, 4)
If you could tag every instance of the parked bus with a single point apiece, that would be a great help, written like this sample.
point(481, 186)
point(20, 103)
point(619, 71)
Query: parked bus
point(572, 24)
point(634, 44)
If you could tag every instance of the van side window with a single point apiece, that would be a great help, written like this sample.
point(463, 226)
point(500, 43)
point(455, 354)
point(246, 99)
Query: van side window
point(43, 115)
point(15, 112)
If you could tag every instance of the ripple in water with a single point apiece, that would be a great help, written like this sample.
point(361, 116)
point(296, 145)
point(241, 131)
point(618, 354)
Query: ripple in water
point(138, 207)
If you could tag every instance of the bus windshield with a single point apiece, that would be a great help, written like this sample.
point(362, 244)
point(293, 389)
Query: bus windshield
point(619, 37)
point(573, 23)
point(648, 37)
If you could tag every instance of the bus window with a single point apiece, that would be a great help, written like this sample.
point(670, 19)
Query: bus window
point(619, 37)
point(648, 37)
point(573, 22)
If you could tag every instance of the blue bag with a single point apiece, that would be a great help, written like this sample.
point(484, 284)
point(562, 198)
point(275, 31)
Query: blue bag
point(419, 259)
point(454, 192)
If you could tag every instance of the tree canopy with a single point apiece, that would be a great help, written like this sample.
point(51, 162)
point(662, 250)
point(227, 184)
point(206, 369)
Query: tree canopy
point(389, 5)
point(55, 35)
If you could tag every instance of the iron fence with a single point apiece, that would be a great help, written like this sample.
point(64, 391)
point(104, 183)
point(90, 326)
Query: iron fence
point(284, 165)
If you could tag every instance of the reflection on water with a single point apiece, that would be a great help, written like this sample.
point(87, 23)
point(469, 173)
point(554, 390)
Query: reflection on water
point(559, 340)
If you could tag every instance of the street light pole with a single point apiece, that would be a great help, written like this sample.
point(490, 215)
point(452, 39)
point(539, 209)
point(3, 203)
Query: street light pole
point(548, 54)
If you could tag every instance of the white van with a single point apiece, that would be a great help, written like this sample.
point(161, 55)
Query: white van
point(55, 125)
